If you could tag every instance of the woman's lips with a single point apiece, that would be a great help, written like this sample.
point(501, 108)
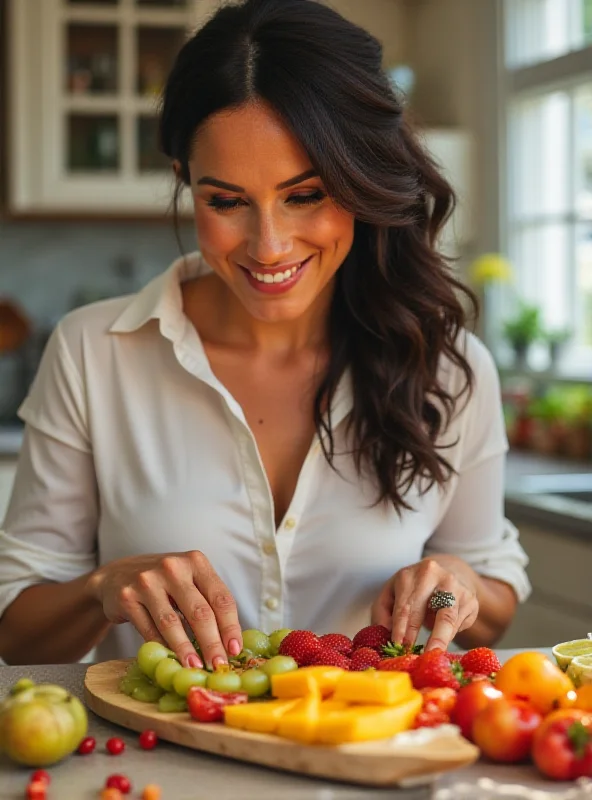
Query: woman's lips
point(277, 281)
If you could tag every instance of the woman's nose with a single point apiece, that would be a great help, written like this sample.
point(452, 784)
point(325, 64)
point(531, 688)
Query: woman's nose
point(270, 242)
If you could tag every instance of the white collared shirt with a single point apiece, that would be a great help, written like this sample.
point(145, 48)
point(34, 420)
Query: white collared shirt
point(133, 446)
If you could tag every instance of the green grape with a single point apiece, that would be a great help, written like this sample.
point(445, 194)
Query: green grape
point(165, 671)
point(187, 677)
point(279, 664)
point(276, 638)
point(224, 682)
point(134, 671)
point(171, 702)
point(127, 684)
point(147, 692)
point(257, 642)
point(149, 654)
point(254, 682)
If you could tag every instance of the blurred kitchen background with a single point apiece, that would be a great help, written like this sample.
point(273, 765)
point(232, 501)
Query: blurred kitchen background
point(501, 91)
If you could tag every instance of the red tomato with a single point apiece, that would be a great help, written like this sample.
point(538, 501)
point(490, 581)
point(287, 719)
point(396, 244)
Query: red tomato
point(37, 790)
point(207, 705)
point(504, 729)
point(120, 782)
point(42, 776)
point(470, 701)
point(115, 746)
point(148, 740)
point(562, 747)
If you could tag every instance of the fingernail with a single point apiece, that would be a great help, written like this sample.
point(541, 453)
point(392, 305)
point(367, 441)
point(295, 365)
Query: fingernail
point(194, 661)
point(217, 661)
point(234, 647)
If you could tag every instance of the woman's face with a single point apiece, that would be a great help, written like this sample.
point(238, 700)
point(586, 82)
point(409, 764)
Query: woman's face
point(264, 221)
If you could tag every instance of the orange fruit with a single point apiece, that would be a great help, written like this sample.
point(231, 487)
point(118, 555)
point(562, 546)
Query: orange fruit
point(533, 677)
point(583, 698)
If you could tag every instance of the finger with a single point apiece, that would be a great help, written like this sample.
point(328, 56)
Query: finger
point(382, 608)
point(402, 608)
point(424, 581)
point(136, 613)
point(447, 622)
point(221, 601)
point(156, 600)
point(470, 618)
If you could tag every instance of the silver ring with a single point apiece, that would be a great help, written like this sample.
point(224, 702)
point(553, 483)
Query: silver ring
point(441, 599)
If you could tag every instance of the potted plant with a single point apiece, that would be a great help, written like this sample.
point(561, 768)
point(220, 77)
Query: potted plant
point(556, 339)
point(546, 432)
point(522, 330)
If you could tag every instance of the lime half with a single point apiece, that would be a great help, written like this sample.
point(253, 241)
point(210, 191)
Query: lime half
point(580, 670)
point(566, 651)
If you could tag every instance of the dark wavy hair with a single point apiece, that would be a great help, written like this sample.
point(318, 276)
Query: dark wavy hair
point(396, 310)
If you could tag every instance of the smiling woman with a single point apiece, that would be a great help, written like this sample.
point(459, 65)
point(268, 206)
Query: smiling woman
point(290, 428)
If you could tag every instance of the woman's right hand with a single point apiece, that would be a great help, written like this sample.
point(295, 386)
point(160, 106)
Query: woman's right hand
point(150, 590)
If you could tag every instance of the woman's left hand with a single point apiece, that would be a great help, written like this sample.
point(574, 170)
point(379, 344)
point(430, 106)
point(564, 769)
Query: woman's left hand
point(402, 605)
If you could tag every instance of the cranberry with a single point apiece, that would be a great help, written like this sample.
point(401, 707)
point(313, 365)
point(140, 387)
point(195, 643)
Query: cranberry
point(148, 740)
point(40, 776)
point(120, 782)
point(115, 746)
point(87, 745)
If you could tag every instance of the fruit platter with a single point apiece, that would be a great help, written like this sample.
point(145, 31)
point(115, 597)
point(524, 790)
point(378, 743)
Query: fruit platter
point(361, 710)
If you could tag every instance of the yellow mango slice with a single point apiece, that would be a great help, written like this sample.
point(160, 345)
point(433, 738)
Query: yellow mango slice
point(367, 723)
point(374, 687)
point(258, 717)
point(306, 680)
point(300, 722)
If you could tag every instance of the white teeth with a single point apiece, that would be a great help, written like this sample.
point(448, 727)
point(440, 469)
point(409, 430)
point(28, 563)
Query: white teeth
point(279, 277)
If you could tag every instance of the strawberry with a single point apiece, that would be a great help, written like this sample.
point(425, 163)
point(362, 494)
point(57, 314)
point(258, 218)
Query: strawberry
point(452, 657)
point(431, 718)
point(399, 663)
point(471, 677)
point(395, 649)
point(443, 699)
point(327, 657)
point(374, 636)
point(301, 645)
point(434, 670)
point(481, 660)
point(364, 658)
point(338, 642)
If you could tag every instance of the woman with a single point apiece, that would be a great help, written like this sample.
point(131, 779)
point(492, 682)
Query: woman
point(292, 428)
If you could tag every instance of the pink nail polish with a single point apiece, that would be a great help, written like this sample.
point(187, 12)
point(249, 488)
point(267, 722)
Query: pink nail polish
point(217, 661)
point(234, 647)
point(194, 661)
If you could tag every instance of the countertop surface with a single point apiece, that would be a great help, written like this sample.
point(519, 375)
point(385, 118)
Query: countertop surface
point(186, 774)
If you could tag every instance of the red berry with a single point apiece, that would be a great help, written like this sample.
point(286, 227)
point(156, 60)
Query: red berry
point(374, 636)
point(301, 645)
point(37, 790)
point(115, 746)
point(41, 776)
point(399, 663)
point(431, 718)
point(327, 657)
point(87, 745)
point(120, 782)
point(364, 658)
point(434, 670)
point(148, 740)
point(339, 642)
point(480, 660)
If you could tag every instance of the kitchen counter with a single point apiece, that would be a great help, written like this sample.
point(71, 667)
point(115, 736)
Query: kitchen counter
point(186, 774)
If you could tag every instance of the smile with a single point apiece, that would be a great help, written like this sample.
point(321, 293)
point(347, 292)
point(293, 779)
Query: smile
point(278, 280)
point(277, 277)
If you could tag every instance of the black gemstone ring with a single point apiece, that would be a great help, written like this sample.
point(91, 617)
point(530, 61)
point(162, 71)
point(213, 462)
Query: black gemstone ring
point(441, 599)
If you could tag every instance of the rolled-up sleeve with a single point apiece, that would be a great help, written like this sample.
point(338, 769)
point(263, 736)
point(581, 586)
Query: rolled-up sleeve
point(49, 531)
point(473, 525)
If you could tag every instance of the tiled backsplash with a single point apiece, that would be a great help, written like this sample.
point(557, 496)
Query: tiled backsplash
point(50, 267)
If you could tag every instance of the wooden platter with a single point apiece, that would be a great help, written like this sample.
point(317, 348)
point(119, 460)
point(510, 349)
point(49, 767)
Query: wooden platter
point(381, 763)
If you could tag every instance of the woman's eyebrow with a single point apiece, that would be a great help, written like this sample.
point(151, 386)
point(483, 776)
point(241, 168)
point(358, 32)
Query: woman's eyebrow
point(232, 187)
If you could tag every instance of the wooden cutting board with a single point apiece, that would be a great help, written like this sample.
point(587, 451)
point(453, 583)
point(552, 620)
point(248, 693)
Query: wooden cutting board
point(382, 763)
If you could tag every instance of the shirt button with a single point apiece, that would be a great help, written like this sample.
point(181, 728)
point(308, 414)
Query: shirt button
point(290, 523)
point(272, 603)
point(269, 548)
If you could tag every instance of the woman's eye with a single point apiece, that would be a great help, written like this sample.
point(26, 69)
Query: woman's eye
point(224, 203)
point(232, 203)
point(307, 199)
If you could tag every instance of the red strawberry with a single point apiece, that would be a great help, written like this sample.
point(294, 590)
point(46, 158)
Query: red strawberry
point(301, 645)
point(327, 657)
point(338, 642)
point(471, 677)
point(364, 658)
point(444, 699)
point(452, 657)
point(434, 670)
point(431, 718)
point(481, 660)
point(374, 636)
point(399, 663)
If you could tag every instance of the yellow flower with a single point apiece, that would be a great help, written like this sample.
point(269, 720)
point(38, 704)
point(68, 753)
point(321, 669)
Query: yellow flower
point(491, 268)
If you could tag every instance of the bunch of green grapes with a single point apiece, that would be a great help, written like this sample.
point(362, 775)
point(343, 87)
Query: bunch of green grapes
point(156, 676)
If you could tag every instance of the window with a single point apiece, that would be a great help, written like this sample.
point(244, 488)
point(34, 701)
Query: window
point(548, 213)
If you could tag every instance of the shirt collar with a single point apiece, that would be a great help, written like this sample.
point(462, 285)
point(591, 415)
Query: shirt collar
point(161, 298)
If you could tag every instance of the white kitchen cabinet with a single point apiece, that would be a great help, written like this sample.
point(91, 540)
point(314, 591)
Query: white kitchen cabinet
point(85, 77)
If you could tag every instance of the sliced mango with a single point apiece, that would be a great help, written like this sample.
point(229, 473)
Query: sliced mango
point(300, 723)
point(374, 687)
point(367, 723)
point(258, 717)
point(306, 680)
